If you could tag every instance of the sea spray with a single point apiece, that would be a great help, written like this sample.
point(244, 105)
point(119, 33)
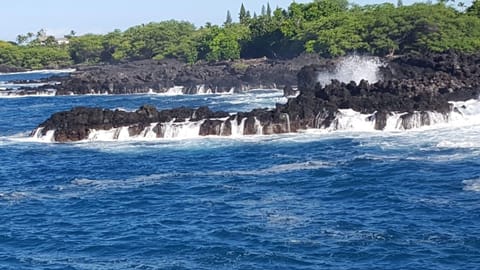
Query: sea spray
point(181, 130)
point(354, 68)
point(176, 90)
point(258, 127)
point(238, 128)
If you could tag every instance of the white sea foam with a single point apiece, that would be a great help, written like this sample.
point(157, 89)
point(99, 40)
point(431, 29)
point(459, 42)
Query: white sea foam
point(352, 120)
point(202, 90)
point(290, 167)
point(238, 128)
point(472, 185)
point(183, 130)
point(155, 178)
point(80, 187)
point(176, 90)
point(275, 169)
point(43, 71)
point(464, 114)
point(36, 136)
point(19, 94)
point(259, 98)
point(353, 68)
point(14, 196)
point(258, 127)
point(23, 85)
point(103, 135)
point(462, 143)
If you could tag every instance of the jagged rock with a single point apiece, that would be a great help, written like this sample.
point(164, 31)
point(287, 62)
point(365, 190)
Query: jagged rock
point(8, 69)
point(415, 86)
point(288, 91)
point(161, 75)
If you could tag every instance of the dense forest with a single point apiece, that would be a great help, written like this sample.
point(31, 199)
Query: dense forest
point(326, 27)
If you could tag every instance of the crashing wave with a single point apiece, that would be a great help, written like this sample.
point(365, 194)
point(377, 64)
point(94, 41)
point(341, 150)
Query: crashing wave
point(463, 113)
point(354, 68)
point(40, 137)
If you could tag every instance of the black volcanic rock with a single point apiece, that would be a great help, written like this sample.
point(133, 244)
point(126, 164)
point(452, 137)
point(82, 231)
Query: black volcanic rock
point(9, 69)
point(161, 75)
point(288, 91)
point(75, 125)
point(413, 85)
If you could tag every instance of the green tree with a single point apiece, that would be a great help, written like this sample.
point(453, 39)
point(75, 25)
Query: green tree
point(115, 47)
point(203, 38)
point(243, 16)
point(228, 20)
point(33, 57)
point(86, 48)
point(474, 9)
point(327, 27)
point(224, 44)
point(24, 39)
point(159, 40)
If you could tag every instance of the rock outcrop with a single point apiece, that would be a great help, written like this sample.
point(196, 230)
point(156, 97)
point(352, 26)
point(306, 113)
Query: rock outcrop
point(161, 76)
point(8, 69)
point(416, 86)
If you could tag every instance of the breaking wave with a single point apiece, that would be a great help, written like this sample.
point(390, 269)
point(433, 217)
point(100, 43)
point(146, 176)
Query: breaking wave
point(354, 68)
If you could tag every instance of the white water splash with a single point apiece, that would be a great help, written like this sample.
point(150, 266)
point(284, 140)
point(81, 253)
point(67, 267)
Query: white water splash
point(202, 90)
point(238, 129)
point(171, 130)
point(176, 90)
point(258, 127)
point(463, 114)
point(38, 137)
point(354, 68)
point(286, 118)
point(352, 120)
point(149, 132)
point(182, 130)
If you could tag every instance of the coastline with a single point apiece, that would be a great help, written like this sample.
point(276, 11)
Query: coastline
point(414, 89)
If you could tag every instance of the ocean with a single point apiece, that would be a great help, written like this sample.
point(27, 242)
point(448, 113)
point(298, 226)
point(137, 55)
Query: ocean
point(350, 199)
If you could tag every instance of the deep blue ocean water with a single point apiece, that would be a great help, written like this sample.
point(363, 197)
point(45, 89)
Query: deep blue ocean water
point(316, 200)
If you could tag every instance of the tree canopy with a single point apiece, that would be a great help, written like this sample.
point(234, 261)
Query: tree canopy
point(327, 27)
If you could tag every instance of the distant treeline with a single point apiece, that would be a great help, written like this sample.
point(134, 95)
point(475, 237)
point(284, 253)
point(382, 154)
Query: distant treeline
point(327, 27)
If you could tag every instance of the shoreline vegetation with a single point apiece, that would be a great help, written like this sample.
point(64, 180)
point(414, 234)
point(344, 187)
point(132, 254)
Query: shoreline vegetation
point(328, 28)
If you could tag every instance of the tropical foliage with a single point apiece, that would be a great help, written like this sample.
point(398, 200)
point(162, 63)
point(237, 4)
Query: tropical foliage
point(326, 27)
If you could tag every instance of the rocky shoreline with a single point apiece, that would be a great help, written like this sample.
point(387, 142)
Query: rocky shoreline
point(414, 89)
point(9, 69)
point(172, 77)
point(162, 76)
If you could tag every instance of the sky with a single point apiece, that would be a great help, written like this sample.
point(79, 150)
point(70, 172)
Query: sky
point(59, 17)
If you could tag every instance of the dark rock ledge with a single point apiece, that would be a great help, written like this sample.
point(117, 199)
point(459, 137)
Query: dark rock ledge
point(414, 85)
point(160, 76)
